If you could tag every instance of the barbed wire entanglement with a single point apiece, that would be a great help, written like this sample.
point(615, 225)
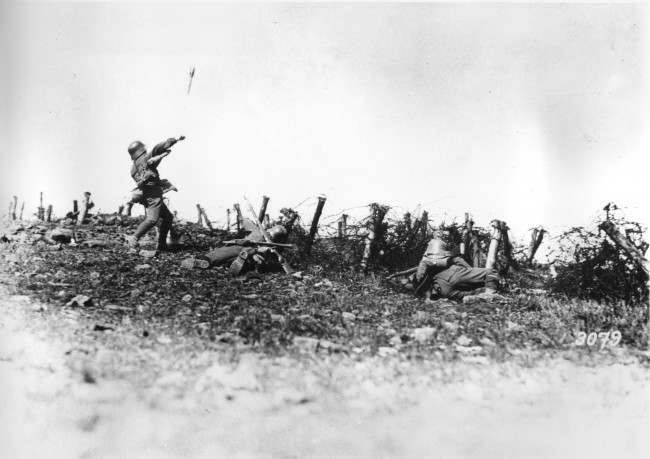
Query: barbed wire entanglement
point(582, 262)
point(590, 265)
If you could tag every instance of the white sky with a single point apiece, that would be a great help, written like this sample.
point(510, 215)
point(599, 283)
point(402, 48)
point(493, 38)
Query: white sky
point(535, 114)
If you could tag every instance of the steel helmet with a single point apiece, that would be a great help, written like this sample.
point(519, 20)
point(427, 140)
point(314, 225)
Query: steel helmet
point(278, 233)
point(135, 147)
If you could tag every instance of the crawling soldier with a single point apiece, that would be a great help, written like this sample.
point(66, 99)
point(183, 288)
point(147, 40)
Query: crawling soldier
point(442, 272)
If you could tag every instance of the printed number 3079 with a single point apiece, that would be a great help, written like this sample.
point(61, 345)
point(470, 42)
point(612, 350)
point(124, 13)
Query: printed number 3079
point(609, 338)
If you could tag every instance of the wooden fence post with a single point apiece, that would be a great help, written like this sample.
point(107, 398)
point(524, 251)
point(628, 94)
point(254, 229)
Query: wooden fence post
point(262, 214)
point(374, 234)
point(239, 217)
point(85, 207)
point(367, 250)
point(22, 209)
point(314, 222)
point(536, 238)
point(342, 226)
point(623, 243)
point(379, 214)
point(199, 218)
point(41, 210)
point(228, 220)
point(14, 206)
point(476, 254)
point(407, 221)
point(494, 244)
point(205, 217)
point(464, 245)
point(291, 220)
point(507, 247)
point(267, 221)
point(49, 213)
point(425, 224)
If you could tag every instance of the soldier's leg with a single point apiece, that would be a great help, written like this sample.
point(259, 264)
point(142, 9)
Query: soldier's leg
point(472, 278)
point(166, 219)
point(152, 214)
point(479, 277)
point(222, 254)
point(444, 288)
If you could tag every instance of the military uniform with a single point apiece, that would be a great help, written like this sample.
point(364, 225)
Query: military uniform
point(148, 180)
point(447, 273)
point(241, 257)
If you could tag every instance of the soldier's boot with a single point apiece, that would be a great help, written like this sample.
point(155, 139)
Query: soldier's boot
point(489, 295)
point(201, 263)
point(132, 242)
point(198, 262)
point(239, 264)
point(175, 240)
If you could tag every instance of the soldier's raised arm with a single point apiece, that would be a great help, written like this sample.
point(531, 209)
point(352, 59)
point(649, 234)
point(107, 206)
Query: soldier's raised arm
point(162, 149)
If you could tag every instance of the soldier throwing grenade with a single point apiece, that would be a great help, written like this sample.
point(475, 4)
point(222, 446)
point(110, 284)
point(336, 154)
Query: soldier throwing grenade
point(145, 174)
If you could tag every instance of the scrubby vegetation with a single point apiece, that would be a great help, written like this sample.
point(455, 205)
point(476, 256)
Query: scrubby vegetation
point(596, 289)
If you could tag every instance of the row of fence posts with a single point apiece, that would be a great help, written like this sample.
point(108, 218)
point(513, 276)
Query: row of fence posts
point(499, 239)
point(263, 218)
point(469, 247)
point(42, 213)
point(46, 213)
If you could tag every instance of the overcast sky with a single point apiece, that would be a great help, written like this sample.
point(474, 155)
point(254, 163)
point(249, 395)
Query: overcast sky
point(535, 114)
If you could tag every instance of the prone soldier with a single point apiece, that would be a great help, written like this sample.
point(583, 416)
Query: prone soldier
point(442, 272)
point(252, 252)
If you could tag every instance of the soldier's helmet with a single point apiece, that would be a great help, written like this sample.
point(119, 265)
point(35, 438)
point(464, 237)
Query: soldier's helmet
point(443, 243)
point(444, 235)
point(136, 148)
point(278, 233)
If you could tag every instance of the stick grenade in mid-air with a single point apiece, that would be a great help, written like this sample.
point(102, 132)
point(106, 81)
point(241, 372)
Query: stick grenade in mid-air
point(189, 86)
point(285, 266)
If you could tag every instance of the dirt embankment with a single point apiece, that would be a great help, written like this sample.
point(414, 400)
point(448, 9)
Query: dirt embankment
point(160, 361)
point(72, 390)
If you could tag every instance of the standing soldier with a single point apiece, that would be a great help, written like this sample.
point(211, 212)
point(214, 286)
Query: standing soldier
point(145, 174)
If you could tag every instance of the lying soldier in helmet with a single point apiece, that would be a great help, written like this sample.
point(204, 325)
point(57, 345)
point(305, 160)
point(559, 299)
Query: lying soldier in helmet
point(249, 253)
point(443, 273)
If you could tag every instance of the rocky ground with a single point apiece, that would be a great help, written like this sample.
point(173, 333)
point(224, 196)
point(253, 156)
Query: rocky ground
point(104, 353)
